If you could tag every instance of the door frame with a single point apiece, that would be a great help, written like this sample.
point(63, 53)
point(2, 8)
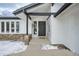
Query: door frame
point(38, 28)
point(34, 35)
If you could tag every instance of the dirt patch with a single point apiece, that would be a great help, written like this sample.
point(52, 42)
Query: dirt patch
point(61, 46)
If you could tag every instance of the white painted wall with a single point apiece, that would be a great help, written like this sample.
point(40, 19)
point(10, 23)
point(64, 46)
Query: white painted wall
point(29, 26)
point(49, 29)
point(22, 23)
point(65, 28)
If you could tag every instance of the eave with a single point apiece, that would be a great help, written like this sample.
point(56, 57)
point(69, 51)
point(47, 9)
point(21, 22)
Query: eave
point(9, 18)
point(65, 6)
point(26, 7)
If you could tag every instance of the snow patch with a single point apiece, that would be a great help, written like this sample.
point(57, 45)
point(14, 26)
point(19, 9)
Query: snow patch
point(48, 46)
point(9, 47)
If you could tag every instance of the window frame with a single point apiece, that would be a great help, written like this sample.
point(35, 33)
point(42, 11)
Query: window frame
point(3, 27)
point(7, 26)
point(17, 26)
point(12, 26)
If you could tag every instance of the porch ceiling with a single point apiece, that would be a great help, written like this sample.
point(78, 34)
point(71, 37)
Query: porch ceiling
point(44, 11)
point(39, 17)
point(40, 14)
point(44, 8)
point(56, 7)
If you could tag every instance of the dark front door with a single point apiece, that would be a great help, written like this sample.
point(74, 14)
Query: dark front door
point(41, 28)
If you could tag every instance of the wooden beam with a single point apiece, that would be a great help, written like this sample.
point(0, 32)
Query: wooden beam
point(48, 17)
point(40, 14)
point(52, 4)
point(27, 24)
point(66, 5)
point(9, 18)
point(26, 21)
point(27, 7)
point(27, 14)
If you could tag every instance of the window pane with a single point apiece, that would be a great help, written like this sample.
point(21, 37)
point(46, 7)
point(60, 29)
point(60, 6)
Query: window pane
point(12, 26)
point(35, 27)
point(2, 26)
point(17, 26)
point(7, 26)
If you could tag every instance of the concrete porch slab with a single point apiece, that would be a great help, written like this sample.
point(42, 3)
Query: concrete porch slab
point(34, 49)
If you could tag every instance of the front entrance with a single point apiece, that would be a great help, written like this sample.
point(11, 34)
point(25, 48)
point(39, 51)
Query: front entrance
point(39, 28)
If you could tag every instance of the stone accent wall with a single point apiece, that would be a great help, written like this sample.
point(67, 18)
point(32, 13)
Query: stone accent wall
point(22, 37)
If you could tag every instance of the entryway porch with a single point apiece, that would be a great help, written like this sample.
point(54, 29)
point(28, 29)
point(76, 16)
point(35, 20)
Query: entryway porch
point(34, 49)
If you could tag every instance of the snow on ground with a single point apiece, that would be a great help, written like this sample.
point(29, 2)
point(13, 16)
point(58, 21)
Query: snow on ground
point(48, 46)
point(9, 47)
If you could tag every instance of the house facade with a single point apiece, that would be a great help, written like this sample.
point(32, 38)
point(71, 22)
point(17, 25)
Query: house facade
point(9, 25)
point(35, 17)
point(64, 27)
point(59, 22)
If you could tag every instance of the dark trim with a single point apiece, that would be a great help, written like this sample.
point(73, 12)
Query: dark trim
point(26, 7)
point(52, 4)
point(40, 14)
point(66, 5)
point(27, 24)
point(26, 21)
point(48, 17)
point(28, 15)
point(9, 18)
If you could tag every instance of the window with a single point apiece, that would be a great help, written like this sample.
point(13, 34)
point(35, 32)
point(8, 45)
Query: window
point(2, 27)
point(12, 26)
point(17, 26)
point(35, 27)
point(7, 26)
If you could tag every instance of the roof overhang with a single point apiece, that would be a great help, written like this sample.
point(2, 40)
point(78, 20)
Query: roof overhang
point(26, 7)
point(9, 18)
point(66, 5)
point(40, 14)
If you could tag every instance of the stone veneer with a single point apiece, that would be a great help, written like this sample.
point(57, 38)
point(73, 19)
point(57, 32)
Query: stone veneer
point(22, 37)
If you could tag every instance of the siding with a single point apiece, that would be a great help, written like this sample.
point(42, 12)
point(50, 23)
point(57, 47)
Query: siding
point(65, 28)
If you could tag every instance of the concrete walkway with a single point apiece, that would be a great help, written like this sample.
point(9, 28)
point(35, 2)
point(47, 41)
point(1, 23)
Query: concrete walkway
point(34, 49)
